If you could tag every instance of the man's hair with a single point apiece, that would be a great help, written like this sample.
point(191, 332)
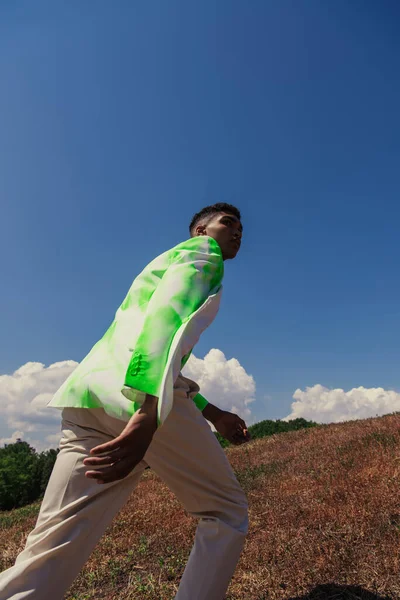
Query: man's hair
point(208, 212)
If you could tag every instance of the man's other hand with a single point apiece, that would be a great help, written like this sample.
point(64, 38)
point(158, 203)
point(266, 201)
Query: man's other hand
point(232, 428)
point(229, 425)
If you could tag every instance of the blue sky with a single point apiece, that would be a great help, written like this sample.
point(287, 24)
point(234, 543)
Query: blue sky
point(120, 120)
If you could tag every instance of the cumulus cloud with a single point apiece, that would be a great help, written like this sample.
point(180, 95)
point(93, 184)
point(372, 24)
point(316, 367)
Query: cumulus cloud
point(23, 399)
point(25, 393)
point(324, 405)
point(223, 382)
point(12, 439)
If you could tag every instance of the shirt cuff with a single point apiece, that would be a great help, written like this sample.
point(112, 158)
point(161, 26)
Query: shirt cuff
point(200, 402)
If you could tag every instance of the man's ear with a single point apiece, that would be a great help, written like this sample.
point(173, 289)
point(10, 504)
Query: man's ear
point(201, 230)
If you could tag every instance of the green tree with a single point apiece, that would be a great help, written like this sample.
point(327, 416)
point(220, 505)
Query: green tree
point(23, 474)
point(268, 427)
point(46, 464)
point(18, 475)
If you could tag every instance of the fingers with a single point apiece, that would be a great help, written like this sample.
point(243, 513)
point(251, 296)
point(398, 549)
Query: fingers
point(242, 423)
point(115, 466)
point(107, 447)
point(108, 474)
point(241, 436)
point(99, 461)
point(239, 440)
point(243, 429)
point(113, 472)
point(94, 475)
point(245, 433)
point(236, 437)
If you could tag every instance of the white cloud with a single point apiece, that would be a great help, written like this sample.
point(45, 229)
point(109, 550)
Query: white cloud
point(12, 439)
point(324, 405)
point(53, 439)
point(39, 445)
point(23, 399)
point(223, 382)
point(25, 393)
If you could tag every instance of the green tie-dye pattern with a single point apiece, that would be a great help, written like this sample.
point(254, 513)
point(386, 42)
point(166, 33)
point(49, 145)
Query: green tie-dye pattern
point(134, 349)
point(184, 287)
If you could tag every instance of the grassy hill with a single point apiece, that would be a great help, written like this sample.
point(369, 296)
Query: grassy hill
point(324, 523)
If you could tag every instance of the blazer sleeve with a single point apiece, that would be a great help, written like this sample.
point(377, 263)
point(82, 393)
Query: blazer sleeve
point(196, 268)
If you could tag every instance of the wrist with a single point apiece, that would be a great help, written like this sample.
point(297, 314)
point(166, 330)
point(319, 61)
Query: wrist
point(146, 416)
point(150, 402)
point(212, 413)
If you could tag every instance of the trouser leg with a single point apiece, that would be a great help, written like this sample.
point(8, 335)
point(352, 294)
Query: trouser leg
point(74, 513)
point(188, 457)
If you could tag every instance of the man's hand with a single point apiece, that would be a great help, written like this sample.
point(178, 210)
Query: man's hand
point(232, 428)
point(229, 425)
point(121, 455)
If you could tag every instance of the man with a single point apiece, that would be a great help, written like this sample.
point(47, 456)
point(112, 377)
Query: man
point(127, 406)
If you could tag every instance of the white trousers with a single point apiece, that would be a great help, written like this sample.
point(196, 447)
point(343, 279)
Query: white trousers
point(76, 510)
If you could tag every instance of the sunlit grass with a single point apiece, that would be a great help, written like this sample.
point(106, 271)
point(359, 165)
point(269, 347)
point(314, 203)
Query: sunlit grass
point(324, 523)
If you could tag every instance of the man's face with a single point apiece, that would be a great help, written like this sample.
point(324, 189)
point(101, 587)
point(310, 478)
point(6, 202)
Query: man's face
point(226, 229)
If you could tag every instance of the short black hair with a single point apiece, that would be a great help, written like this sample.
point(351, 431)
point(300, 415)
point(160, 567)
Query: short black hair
point(209, 211)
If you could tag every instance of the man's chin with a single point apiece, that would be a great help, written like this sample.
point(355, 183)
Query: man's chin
point(231, 254)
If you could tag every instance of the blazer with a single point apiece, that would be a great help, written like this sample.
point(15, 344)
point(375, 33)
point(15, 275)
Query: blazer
point(169, 304)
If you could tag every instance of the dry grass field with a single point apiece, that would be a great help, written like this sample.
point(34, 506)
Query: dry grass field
point(324, 523)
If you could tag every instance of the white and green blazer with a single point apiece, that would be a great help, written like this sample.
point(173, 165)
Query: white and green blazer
point(171, 302)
